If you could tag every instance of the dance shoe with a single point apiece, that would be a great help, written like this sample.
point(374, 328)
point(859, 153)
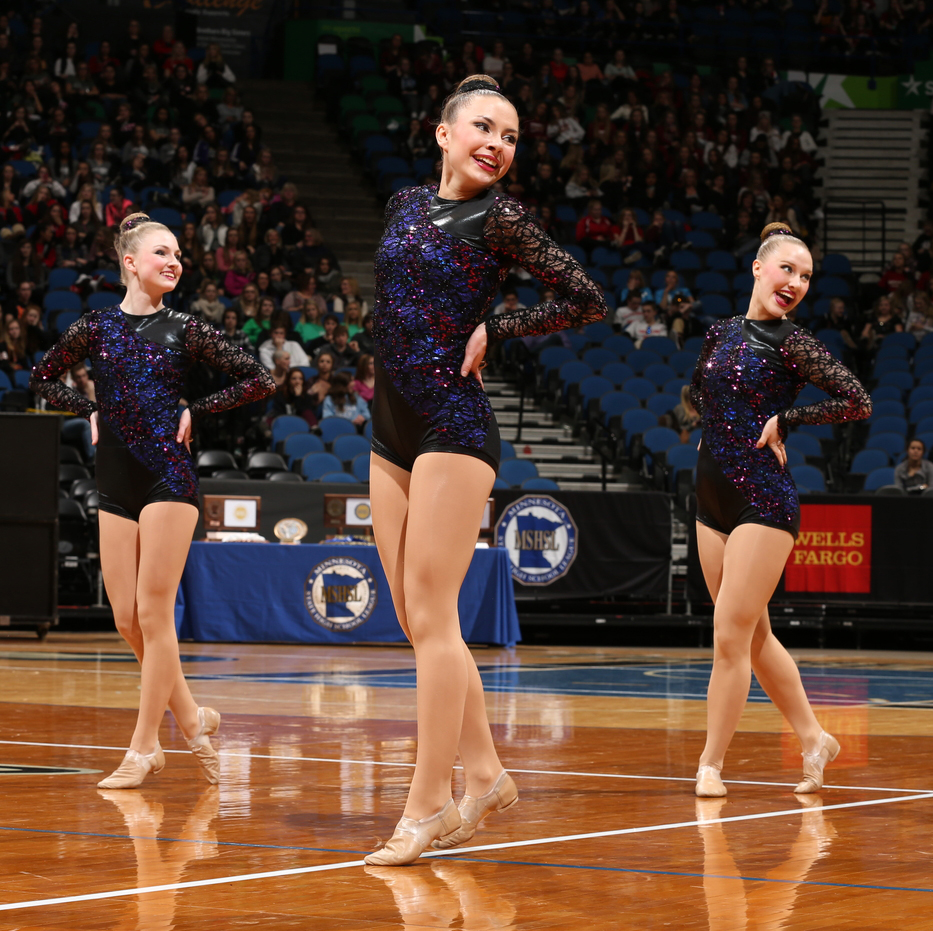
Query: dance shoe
point(503, 794)
point(200, 744)
point(134, 768)
point(709, 782)
point(412, 838)
point(813, 764)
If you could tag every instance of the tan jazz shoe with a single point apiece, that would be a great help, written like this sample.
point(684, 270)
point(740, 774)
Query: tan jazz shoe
point(412, 838)
point(814, 763)
point(200, 745)
point(134, 768)
point(709, 782)
point(503, 794)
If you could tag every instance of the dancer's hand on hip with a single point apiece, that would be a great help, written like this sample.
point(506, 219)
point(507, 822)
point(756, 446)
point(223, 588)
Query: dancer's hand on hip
point(184, 429)
point(475, 352)
point(771, 436)
point(93, 421)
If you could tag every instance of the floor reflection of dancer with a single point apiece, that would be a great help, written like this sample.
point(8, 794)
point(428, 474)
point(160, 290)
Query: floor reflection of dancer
point(749, 372)
point(160, 863)
point(435, 440)
point(766, 904)
point(140, 353)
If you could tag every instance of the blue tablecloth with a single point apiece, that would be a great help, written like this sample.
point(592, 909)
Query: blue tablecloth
point(323, 594)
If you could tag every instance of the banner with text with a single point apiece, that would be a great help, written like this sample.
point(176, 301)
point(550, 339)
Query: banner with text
point(833, 550)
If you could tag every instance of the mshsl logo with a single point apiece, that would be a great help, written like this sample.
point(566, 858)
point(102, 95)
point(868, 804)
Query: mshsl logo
point(541, 539)
point(340, 593)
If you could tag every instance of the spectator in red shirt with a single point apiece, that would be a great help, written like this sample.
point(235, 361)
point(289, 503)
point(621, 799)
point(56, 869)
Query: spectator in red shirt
point(558, 66)
point(97, 63)
point(595, 229)
point(178, 57)
point(162, 47)
point(895, 273)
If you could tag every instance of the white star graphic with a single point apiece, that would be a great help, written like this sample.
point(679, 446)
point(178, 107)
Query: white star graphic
point(911, 86)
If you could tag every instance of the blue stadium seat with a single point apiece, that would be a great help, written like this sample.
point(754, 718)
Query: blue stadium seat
point(886, 409)
point(616, 403)
point(902, 380)
point(674, 386)
point(641, 388)
point(101, 299)
point(712, 283)
point(348, 447)
point(285, 426)
point(683, 260)
point(659, 374)
point(681, 457)
point(617, 372)
point(553, 357)
point(314, 465)
point(890, 393)
point(892, 443)
point(810, 477)
point(64, 319)
point(619, 343)
point(716, 305)
point(684, 362)
point(298, 445)
point(920, 411)
point(167, 215)
point(661, 404)
point(660, 439)
point(878, 478)
point(831, 286)
point(918, 394)
point(598, 356)
point(704, 220)
point(664, 346)
point(335, 477)
point(888, 424)
point(597, 332)
point(720, 261)
point(332, 427)
point(62, 300)
point(640, 359)
point(807, 444)
point(867, 460)
point(516, 471)
point(60, 279)
point(359, 467)
point(635, 422)
point(572, 373)
point(833, 263)
point(593, 387)
point(905, 340)
point(498, 483)
point(540, 484)
point(700, 239)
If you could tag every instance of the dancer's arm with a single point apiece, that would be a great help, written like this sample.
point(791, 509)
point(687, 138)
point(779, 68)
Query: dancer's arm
point(848, 399)
point(71, 348)
point(512, 234)
point(253, 381)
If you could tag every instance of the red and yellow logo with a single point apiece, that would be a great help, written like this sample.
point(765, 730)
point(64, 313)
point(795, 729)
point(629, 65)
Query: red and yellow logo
point(833, 550)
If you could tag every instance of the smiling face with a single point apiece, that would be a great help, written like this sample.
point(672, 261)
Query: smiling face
point(781, 280)
point(479, 144)
point(156, 261)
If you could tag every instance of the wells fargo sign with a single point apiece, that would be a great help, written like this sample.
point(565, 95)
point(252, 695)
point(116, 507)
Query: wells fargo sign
point(833, 550)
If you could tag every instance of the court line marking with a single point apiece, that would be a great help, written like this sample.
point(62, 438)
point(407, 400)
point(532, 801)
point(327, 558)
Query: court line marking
point(526, 772)
point(454, 852)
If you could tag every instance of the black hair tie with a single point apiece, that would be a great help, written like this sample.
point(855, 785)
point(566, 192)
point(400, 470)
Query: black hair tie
point(478, 86)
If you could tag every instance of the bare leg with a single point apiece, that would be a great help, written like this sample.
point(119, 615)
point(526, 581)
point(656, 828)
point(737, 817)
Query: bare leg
point(753, 558)
point(427, 547)
point(119, 557)
point(165, 530)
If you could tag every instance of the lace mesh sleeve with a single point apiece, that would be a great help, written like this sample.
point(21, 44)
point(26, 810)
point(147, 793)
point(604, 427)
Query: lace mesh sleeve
point(70, 349)
point(253, 381)
point(709, 343)
point(847, 400)
point(512, 233)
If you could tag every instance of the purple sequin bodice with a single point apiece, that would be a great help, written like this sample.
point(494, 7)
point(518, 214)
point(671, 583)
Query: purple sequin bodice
point(139, 368)
point(750, 370)
point(436, 282)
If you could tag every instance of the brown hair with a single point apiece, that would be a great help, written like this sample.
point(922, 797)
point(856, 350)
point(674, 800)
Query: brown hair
point(773, 235)
point(132, 229)
point(465, 91)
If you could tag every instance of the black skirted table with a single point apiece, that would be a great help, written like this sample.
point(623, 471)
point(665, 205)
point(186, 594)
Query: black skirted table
point(240, 592)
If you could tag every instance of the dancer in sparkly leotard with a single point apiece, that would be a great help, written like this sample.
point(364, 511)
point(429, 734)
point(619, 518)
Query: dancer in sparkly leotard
point(140, 352)
point(749, 373)
point(435, 441)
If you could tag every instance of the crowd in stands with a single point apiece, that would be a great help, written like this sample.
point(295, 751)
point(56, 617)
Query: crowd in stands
point(91, 131)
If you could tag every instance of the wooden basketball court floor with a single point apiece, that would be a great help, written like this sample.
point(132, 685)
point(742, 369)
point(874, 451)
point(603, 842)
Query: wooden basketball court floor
point(317, 748)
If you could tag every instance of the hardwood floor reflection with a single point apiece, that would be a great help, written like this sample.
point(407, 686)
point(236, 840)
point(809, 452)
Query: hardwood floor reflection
point(317, 749)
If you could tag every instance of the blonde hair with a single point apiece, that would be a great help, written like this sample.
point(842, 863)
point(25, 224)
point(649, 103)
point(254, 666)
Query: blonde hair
point(132, 229)
point(773, 235)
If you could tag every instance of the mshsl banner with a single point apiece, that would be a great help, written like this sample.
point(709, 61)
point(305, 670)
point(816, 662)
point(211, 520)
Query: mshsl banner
point(833, 550)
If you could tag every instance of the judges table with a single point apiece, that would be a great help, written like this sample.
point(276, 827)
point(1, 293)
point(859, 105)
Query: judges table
point(306, 593)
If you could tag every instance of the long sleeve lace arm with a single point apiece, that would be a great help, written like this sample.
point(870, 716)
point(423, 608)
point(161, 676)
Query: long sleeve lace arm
point(70, 349)
point(512, 234)
point(252, 381)
point(709, 343)
point(848, 399)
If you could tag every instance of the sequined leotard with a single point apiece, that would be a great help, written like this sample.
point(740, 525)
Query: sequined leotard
point(438, 267)
point(139, 365)
point(748, 371)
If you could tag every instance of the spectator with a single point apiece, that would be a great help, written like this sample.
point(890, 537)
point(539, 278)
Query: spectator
point(895, 274)
point(686, 417)
point(281, 364)
point(199, 192)
point(681, 322)
point(353, 317)
point(629, 312)
point(293, 400)
point(319, 388)
point(208, 305)
point(672, 289)
point(920, 319)
point(839, 319)
point(213, 70)
point(258, 327)
point(212, 230)
point(915, 473)
point(327, 277)
point(882, 322)
point(118, 208)
point(343, 354)
point(363, 385)
point(13, 356)
point(341, 402)
point(234, 334)
point(240, 274)
point(595, 229)
point(278, 340)
point(25, 265)
point(349, 290)
point(648, 325)
point(270, 254)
